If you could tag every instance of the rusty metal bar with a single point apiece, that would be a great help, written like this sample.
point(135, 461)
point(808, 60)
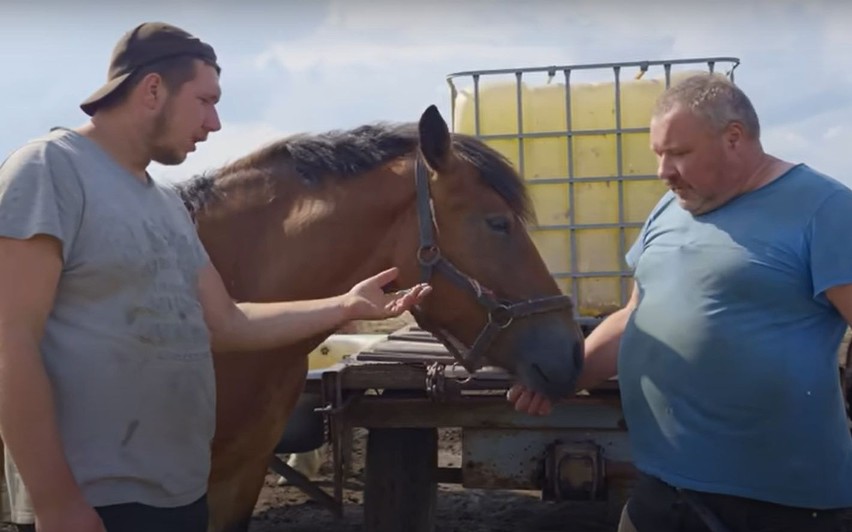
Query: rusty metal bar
point(572, 186)
point(594, 66)
point(448, 475)
point(586, 413)
point(619, 161)
point(561, 133)
point(565, 463)
point(306, 485)
point(520, 118)
point(402, 372)
point(333, 396)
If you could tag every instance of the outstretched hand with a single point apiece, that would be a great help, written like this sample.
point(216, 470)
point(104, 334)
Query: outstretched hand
point(367, 300)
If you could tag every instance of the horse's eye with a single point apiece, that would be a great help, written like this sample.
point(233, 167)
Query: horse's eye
point(499, 223)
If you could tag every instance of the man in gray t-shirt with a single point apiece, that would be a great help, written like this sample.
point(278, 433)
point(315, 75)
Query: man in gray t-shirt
point(109, 305)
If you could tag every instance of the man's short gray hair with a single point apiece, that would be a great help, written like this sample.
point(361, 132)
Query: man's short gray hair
point(713, 97)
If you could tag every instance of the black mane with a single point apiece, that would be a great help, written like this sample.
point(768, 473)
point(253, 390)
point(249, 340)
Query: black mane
point(343, 154)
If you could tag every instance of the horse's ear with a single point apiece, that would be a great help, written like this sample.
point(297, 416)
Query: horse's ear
point(435, 143)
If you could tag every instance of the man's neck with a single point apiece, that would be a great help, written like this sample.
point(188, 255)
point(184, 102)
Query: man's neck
point(764, 169)
point(757, 171)
point(123, 143)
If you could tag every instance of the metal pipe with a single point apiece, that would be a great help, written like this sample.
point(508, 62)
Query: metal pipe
point(590, 66)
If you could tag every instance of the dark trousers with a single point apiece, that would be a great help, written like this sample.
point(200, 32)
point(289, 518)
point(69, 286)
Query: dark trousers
point(654, 506)
point(140, 518)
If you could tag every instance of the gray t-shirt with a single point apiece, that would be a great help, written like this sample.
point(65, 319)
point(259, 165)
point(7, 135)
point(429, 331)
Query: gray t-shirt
point(125, 346)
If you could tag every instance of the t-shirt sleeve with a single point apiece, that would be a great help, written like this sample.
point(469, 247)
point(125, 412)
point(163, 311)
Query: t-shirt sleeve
point(40, 193)
point(828, 243)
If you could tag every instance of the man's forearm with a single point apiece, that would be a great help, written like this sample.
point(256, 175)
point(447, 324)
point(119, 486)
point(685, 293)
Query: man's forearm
point(29, 429)
point(257, 326)
point(601, 358)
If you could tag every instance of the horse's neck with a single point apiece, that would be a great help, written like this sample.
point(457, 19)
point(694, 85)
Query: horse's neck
point(305, 245)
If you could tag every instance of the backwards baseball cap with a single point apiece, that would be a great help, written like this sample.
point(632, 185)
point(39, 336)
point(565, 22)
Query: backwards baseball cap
point(142, 46)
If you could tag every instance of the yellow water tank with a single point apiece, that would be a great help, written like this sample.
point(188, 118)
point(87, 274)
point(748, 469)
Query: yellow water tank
point(597, 201)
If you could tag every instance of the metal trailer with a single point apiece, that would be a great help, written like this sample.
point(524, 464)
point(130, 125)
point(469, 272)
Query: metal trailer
point(579, 452)
point(405, 388)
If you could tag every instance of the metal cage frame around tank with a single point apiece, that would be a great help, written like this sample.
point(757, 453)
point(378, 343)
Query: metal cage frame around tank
point(617, 69)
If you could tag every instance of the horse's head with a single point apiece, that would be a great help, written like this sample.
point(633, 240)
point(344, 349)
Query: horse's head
point(493, 299)
point(310, 215)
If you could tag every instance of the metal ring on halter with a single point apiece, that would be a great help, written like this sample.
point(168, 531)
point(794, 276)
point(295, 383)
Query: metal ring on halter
point(498, 312)
point(467, 370)
point(428, 255)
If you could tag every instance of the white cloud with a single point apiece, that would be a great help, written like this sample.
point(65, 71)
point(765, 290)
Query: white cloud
point(835, 132)
point(444, 21)
point(822, 141)
point(376, 60)
point(356, 61)
point(316, 54)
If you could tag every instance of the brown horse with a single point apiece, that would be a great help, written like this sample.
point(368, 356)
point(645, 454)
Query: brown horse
point(309, 216)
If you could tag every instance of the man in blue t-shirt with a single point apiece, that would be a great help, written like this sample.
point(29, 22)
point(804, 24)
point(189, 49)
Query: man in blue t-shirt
point(726, 354)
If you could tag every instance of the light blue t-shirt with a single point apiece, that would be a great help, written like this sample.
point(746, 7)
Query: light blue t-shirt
point(728, 367)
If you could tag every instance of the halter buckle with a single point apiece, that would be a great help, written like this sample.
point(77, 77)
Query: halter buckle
point(428, 255)
point(501, 316)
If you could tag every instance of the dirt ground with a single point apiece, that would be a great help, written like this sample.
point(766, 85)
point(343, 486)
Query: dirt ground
point(285, 508)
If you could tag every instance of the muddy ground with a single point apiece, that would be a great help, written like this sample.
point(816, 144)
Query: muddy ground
point(285, 508)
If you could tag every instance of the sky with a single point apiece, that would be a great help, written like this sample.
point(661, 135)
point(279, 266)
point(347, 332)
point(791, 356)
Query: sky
point(315, 65)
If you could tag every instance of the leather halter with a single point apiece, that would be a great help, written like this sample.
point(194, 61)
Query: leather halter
point(501, 314)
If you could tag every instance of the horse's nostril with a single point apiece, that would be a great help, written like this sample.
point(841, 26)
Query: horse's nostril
point(541, 374)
